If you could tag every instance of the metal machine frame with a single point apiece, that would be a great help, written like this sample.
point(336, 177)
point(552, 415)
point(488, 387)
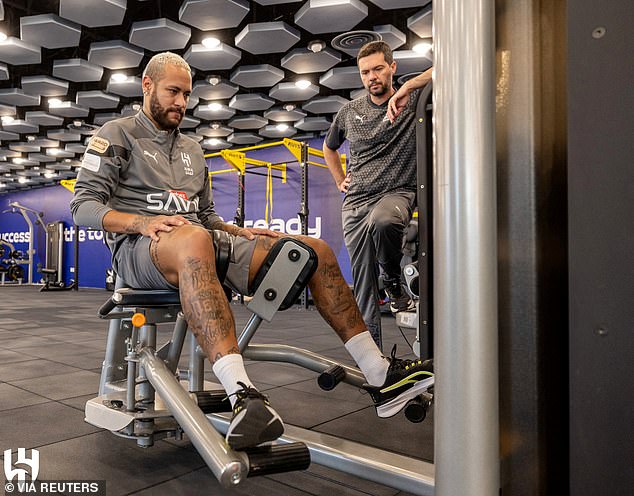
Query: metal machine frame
point(141, 396)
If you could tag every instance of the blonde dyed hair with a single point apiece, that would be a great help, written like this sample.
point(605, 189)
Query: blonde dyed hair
point(155, 68)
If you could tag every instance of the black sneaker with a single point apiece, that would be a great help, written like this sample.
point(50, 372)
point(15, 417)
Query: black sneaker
point(400, 301)
point(254, 421)
point(405, 380)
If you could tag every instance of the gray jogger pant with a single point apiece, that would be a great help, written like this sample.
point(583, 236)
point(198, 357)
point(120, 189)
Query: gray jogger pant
point(373, 233)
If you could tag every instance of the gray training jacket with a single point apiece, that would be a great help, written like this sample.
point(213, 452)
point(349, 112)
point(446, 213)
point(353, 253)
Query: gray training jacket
point(133, 167)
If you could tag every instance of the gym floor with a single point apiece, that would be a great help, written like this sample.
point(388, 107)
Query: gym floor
point(51, 349)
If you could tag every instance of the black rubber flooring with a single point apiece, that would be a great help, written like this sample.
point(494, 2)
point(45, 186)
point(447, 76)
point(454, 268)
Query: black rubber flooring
point(51, 349)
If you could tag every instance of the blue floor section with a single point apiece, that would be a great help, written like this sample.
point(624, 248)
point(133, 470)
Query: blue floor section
point(51, 349)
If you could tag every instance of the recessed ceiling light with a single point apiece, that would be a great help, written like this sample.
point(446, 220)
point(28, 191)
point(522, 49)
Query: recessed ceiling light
point(119, 77)
point(50, 175)
point(422, 47)
point(302, 84)
point(214, 107)
point(2, 185)
point(6, 119)
point(210, 42)
point(3, 37)
point(281, 127)
point(18, 160)
point(214, 80)
point(289, 107)
point(316, 46)
point(54, 151)
point(213, 141)
point(54, 102)
point(23, 180)
point(215, 125)
point(30, 137)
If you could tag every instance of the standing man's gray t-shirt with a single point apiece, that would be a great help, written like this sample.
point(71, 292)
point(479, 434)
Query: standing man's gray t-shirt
point(382, 155)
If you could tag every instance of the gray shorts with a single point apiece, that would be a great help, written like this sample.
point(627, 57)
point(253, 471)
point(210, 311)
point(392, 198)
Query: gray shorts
point(133, 263)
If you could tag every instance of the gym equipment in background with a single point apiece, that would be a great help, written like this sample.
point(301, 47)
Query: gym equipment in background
point(53, 273)
point(15, 272)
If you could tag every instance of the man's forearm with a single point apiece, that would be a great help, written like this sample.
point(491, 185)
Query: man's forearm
point(419, 81)
point(333, 161)
point(224, 226)
point(121, 222)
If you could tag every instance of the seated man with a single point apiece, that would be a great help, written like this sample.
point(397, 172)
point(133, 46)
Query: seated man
point(146, 184)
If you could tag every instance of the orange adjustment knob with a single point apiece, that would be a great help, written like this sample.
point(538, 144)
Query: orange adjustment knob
point(138, 320)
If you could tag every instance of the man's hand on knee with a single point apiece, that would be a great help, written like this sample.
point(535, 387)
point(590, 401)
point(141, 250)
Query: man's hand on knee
point(251, 232)
point(152, 225)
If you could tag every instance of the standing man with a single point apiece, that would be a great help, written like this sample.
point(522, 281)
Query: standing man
point(147, 185)
point(380, 186)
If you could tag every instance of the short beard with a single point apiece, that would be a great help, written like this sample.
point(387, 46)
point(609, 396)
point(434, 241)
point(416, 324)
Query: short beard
point(159, 114)
point(380, 92)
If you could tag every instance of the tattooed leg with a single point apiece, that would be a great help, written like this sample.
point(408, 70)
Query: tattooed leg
point(188, 261)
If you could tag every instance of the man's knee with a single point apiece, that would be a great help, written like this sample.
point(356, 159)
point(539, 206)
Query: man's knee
point(322, 249)
point(189, 240)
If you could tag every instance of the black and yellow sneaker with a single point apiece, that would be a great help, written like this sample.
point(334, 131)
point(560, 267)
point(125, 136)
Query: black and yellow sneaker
point(405, 380)
point(254, 421)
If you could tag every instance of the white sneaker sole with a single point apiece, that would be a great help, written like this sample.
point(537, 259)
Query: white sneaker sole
point(395, 405)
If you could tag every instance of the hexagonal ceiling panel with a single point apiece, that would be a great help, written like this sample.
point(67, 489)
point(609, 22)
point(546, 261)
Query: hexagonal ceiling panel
point(93, 13)
point(49, 31)
point(115, 54)
point(214, 112)
point(325, 105)
point(399, 4)
point(96, 99)
point(275, 2)
point(20, 126)
point(44, 86)
point(410, 61)
point(68, 109)
point(342, 77)
point(421, 23)
point(330, 16)
point(251, 102)
point(267, 37)
point(220, 90)
point(284, 114)
point(208, 15)
point(303, 60)
point(256, 76)
point(214, 144)
point(15, 96)
point(77, 70)
point(130, 88)
point(159, 34)
point(313, 124)
point(290, 92)
point(250, 121)
point(391, 35)
point(43, 118)
point(14, 51)
point(244, 138)
point(214, 130)
point(277, 131)
point(209, 59)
